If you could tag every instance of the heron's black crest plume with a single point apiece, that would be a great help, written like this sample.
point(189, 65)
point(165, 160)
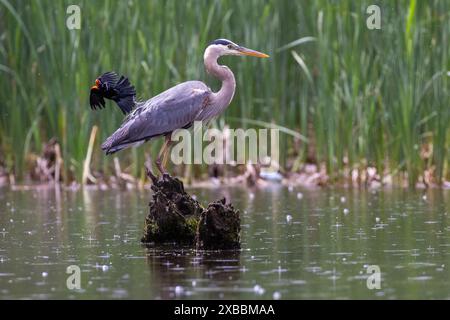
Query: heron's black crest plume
point(224, 42)
point(110, 86)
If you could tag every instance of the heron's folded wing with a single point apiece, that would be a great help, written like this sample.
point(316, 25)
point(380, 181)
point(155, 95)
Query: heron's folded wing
point(173, 109)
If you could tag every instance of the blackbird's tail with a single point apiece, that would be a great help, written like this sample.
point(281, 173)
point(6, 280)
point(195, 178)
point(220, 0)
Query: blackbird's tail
point(126, 95)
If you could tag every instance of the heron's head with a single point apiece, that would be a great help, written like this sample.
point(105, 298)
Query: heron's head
point(224, 47)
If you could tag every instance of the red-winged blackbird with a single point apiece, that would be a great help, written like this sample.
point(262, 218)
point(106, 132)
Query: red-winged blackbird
point(109, 86)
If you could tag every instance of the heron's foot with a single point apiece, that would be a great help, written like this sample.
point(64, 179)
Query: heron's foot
point(165, 176)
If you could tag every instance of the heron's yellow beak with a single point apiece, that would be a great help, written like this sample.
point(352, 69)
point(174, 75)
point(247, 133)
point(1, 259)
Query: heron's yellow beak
point(249, 52)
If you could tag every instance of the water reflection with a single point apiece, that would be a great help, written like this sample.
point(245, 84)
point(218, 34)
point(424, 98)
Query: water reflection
point(187, 272)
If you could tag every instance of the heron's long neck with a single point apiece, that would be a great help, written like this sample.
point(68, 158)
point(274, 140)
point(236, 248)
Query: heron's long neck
point(221, 99)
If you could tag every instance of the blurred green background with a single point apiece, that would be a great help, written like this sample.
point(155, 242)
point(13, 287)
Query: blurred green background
point(362, 97)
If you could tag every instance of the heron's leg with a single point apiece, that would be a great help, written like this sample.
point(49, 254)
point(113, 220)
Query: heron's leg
point(148, 169)
point(162, 152)
point(166, 153)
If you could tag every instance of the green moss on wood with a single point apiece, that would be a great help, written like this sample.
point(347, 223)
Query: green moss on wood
point(177, 217)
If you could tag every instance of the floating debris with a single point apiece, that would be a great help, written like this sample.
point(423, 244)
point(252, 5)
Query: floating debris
point(299, 195)
point(288, 218)
point(276, 295)
point(270, 175)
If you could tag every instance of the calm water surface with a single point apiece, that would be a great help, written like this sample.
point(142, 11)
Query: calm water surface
point(295, 244)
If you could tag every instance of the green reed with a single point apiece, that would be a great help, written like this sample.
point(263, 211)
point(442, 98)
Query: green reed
point(361, 97)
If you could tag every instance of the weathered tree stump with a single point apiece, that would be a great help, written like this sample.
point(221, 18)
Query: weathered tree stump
point(219, 227)
point(176, 217)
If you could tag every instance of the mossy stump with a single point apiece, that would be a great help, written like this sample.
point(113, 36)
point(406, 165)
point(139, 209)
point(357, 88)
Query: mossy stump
point(176, 217)
point(219, 227)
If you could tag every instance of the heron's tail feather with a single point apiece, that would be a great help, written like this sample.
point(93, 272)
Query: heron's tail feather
point(126, 95)
point(109, 148)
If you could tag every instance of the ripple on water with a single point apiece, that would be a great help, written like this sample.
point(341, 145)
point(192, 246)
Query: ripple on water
point(421, 264)
point(7, 274)
point(279, 270)
point(341, 253)
point(119, 294)
point(297, 282)
point(420, 278)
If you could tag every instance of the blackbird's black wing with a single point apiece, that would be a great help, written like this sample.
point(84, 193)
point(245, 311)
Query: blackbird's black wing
point(126, 95)
point(96, 99)
point(110, 86)
point(111, 78)
point(107, 80)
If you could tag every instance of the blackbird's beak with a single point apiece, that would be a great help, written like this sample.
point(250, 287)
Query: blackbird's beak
point(97, 85)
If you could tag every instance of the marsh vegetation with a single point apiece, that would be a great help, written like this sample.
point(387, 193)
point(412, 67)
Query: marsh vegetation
point(359, 99)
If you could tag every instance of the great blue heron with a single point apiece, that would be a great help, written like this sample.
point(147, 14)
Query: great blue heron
point(175, 108)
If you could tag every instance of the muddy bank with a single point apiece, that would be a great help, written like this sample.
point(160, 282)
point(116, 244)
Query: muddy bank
point(48, 168)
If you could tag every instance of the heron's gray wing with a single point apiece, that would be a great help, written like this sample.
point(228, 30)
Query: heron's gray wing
point(173, 109)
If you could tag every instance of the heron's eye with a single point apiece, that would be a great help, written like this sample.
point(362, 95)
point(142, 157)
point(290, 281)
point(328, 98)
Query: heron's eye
point(230, 46)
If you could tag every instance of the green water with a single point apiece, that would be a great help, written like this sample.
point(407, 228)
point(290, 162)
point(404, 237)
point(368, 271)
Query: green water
point(296, 244)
